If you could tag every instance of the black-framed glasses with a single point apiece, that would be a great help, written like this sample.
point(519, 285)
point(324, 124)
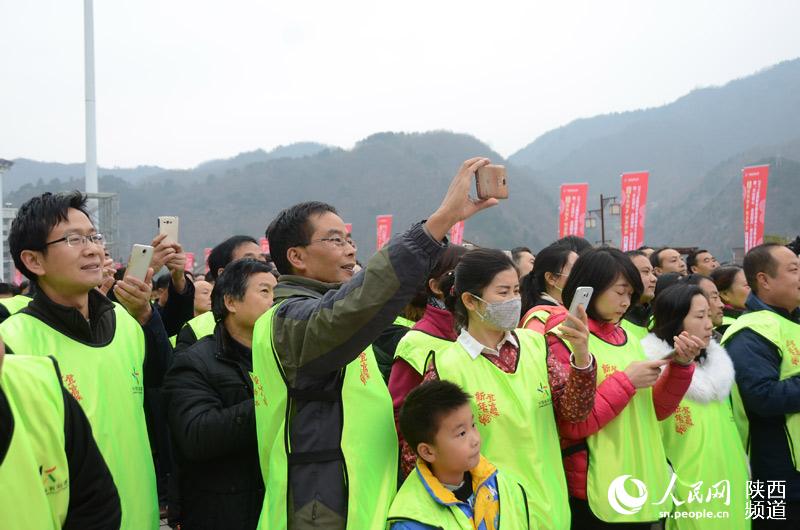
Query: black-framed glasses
point(336, 241)
point(78, 240)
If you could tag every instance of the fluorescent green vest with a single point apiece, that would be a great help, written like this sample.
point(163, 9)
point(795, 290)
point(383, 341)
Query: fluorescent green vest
point(107, 382)
point(34, 475)
point(702, 444)
point(633, 330)
point(369, 442)
point(414, 503)
point(15, 304)
point(202, 325)
point(403, 321)
point(727, 321)
point(785, 335)
point(541, 315)
point(415, 346)
point(514, 414)
point(630, 445)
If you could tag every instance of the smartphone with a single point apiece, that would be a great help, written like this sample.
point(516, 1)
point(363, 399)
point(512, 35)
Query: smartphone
point(491, 182)
point(141, 255)
point(168, 224)
point(582, 297)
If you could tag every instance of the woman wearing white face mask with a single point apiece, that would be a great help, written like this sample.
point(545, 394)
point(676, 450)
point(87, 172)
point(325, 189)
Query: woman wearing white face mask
point(507, 372)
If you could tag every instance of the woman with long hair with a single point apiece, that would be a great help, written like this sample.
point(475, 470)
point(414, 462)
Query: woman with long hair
point(541, 289)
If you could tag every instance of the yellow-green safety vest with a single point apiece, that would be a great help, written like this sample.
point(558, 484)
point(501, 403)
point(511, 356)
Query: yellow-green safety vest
point(34, 475)
point(414, 503)
point(514, 415)
point(626, 457)
point(634, 330)
point(15, 304)
point(107, 382)
point(368, 445)
point(702, 443)
point(541, 315)
point(415, 346)
point(785, 335)
point(202, 325)
point(403, 321)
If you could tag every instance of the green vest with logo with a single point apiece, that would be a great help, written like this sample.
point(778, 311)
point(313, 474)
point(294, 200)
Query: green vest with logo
point(785, 335)
point(702, 444)
point(627, 463)
point(107, 382)
point(15, 304)
point(633, 330)
point(202, 325)
point(34, 475)
point(368, 448)
point(415, 346)
point(514, 415)
point(414, 503)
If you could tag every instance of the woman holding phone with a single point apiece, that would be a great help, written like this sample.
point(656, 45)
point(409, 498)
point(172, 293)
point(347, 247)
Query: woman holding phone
point(616, 452)
point(701, 440)
point(506, 371)
point(541, 289)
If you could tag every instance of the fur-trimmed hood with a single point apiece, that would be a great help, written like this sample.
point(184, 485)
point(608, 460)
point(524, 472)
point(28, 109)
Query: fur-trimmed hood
point(712, 379)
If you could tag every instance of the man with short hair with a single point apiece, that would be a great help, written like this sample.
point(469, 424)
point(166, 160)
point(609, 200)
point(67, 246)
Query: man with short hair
point(107, 352)
point(327, 441)
point(637, 319)
point(209, 400)
point(764, 344)
point(523, 259)
point(701, 262)
point(666, 260)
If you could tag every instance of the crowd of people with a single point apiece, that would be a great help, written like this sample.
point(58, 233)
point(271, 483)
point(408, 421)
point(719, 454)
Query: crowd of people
point(439, 386)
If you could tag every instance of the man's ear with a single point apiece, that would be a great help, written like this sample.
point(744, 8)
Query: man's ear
point(33, 259)
point(229, 305)
point(426, 452)
point(657, 271)
point(296, 257)
point(762, 279)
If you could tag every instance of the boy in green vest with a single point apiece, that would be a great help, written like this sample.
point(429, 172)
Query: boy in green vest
point(452, 486)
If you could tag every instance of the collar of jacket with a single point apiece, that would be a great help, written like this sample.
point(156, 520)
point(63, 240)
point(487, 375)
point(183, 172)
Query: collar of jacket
point(713, 376)
point(230, 350)
point(70, 322)
point(755, 303)
point(480, 475)
point(290, 285)
point(437, 322)
point(639, 314)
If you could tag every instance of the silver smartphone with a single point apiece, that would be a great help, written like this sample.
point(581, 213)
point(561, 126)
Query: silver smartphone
point(141, 255)
point(168, 224)
point(582, 297)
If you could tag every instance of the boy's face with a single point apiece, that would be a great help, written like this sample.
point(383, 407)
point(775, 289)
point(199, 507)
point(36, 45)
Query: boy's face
point(457, 444)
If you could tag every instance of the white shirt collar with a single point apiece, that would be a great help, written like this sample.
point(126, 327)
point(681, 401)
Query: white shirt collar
point(475, 348)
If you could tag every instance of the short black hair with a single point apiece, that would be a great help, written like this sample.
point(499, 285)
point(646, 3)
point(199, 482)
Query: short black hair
point(667, 280)
point(233, 282)
point(635, 253)
point(760, 259)
point(691, 259)
point(576, 243)
point(291, 228)
point(655, 257)
point(34, 221)
point(161, 282)
point(424, 408)
point(723, 277)
point(474, 272)
point(551, 259)
point(222, 254)
point(644, 247)
point(7, 288)
point(695, 279)
point(517, 251)
point(671, 307)
point(599, 268)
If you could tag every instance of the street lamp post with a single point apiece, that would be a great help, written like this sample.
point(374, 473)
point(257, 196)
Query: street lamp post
point(591, 221)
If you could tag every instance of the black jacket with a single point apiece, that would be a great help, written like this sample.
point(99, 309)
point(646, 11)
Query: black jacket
point(209, 401)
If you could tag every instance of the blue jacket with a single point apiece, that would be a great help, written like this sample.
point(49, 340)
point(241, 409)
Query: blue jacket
point(766, 399)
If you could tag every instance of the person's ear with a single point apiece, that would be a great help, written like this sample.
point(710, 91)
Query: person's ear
point(433, 285)
point(763, 281)
point(549, 279)
point(296, 256)
point(426, 452)
point(657, 271)
point(33, 261)
point(469, 301)
point(229, 303)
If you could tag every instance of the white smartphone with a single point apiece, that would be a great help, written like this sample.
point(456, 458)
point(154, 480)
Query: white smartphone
point(141, 255)
point(582, 297)
point(168, 224)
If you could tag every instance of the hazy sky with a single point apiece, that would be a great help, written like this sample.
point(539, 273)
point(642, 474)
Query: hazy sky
point(180, 82)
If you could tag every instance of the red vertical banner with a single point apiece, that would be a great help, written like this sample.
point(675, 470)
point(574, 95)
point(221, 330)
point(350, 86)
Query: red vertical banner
point(754, 193)
point(572, 210)
point(634, 201)
point(384, 225)
point(189, 266)
point(457, 233)
point(206, 254)
point(264, 245)
point(349, 227)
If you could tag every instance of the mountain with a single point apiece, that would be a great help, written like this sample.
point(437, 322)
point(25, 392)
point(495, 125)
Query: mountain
point(387, 173)
point(682, 144)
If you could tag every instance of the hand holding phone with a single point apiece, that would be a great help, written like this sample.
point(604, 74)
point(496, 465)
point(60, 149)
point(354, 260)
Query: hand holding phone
point(141, 255)
point(168, 224)
point(582, 297)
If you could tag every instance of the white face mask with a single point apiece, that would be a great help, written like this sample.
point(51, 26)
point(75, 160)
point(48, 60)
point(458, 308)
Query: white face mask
point(505, 315)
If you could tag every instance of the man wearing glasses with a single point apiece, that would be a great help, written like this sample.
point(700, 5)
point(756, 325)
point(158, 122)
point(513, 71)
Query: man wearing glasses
point(104, 350)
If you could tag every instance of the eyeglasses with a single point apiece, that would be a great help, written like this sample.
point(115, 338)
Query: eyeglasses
point(336, 241)
point(78, 240)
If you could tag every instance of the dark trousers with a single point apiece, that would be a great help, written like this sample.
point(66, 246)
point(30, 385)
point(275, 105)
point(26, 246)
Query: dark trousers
point(584, 519)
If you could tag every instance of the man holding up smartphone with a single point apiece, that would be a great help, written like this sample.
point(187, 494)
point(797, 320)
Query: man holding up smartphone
point(105, 351)
point(336, 466)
